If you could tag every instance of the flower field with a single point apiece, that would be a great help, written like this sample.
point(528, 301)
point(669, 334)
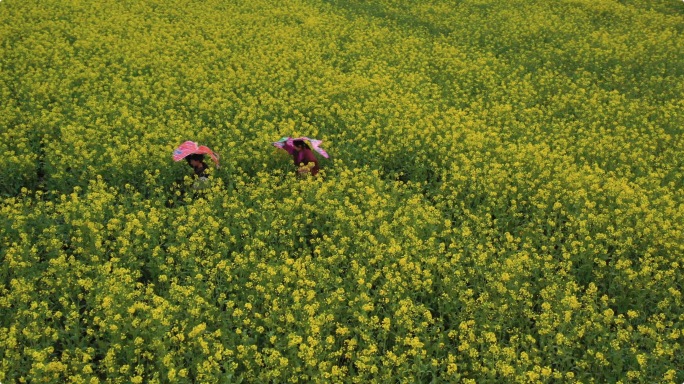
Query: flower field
point(503, 203)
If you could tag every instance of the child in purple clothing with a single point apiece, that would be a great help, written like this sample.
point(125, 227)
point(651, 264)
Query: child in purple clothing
point(302, 151)
point(304, 158)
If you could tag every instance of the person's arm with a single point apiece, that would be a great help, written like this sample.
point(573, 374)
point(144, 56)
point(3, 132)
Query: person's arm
point(289, 148)
point(309, 162)
point(309, 157)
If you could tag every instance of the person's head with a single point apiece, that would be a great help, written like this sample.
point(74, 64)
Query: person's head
point(299, 145)
point(195, 160)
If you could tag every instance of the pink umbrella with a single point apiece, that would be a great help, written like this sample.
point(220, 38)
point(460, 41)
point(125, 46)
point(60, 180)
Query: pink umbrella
point(191, 148)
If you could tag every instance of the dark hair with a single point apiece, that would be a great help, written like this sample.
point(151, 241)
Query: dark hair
point(300, 143)
point(194, 156)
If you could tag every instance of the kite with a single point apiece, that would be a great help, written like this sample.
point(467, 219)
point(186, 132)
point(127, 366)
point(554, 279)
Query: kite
point(191, 148)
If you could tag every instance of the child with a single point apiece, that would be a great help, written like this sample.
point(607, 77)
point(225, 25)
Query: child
point(196, 161)
point(304, 159)
point(302, 154)
point(194, 155)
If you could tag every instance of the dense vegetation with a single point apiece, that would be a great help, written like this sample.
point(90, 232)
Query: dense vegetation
point(503, 201)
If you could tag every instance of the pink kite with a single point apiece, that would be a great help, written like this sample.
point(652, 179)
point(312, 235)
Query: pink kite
point(286, 144)
point(191, 148)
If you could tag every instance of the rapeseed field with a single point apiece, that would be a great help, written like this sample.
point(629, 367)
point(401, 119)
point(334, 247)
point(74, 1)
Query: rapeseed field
point(503, 202)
